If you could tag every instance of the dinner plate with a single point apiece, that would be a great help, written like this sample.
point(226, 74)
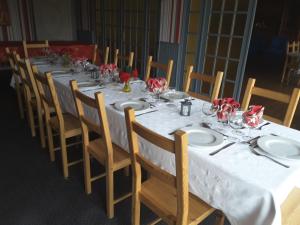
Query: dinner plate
point(87, 84)
point(60, 71)
point(203, 137)
point(174, 95)
point(135, 104)
point(280, 147)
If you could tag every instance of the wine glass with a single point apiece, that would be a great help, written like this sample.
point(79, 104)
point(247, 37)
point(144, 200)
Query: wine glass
point(251, 122)
point(209, 110)
point(236, 122)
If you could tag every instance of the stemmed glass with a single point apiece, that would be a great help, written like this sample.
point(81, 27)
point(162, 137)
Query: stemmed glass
point(250, 123)
point(209, 110)
point(236, 122)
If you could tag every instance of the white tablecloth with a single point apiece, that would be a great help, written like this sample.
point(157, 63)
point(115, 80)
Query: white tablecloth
point(249, 189)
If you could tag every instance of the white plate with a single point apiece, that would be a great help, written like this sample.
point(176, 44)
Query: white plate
point(60, 71)
point(136, 105)
point(174, 95)
point(87, 84)
point(203, 137)
point(280, 147)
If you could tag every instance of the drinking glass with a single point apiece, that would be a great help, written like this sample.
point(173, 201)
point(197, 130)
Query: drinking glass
point(209, 110)
point(236, 122)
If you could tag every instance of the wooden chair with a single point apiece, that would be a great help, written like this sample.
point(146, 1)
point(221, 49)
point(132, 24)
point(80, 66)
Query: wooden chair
point(291, 100)
point(290, 209)
point(128, 58)
point(166, 68)
point(166, 195)
point(32, 98)
point(95, 53)
point(17, 77)
point(292, 55)
point(215, 81)
point(26, 46)
point(67, 125)
point(106, 55)
point(102, 149)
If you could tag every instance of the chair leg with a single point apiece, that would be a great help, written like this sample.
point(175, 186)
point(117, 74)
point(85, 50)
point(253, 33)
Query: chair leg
point(110, 192)
point(87, 172)
point(220, 218)
point(136, 209)
point(42, 129)
point(50, 142)
point(20, 103)
point(284, 69)
point(31, 119)
point(64, 156)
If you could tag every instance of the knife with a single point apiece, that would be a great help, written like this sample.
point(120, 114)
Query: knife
point(222, 148)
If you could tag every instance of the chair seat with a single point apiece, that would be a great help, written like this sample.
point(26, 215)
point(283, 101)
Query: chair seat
point(161, 198)
point(97, 149)
point(72, 125)
point(290, 209)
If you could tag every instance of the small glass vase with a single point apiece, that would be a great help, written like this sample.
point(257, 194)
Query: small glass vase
point(127, 87)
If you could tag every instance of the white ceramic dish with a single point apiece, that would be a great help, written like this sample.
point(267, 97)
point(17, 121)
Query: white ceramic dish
point(136, 105)
point(203, 137)
point(174, 95)
point(280, 147)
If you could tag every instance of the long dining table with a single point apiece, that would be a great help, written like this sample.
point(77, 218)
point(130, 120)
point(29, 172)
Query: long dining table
point(247, 188)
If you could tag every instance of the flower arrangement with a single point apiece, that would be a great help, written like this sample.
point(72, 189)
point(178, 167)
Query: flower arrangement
point(108, 69)
point(127, 74)
point(157, 85)
point(253, 116)
point(225, 107)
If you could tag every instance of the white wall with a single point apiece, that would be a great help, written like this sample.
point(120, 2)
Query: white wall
point(54, 19)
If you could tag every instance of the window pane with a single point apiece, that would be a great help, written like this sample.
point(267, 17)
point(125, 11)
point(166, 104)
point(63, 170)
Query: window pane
point(240, 24)
point(195, 5)
point(228, 89)
point(217, 4)
point(227, 22)
point(192, 43)
point(229, 5)
point(214, 23)
point(223, 46)
point(208, 67)
point(211, 46)
point(236, 48)
point(220, 65)
point(243, 5)
point(232, 70)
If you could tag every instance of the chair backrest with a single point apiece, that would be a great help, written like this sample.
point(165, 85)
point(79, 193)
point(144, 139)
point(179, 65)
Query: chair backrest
point(128, 58)
point(293, 47)
point(10, 58)
point(106, 55)
point(87, 125)
point(167, 68)
point(28, 80)
point(214, 81)
point(290, 100)
point(26, 46)
point(95, 53)
point(178, 147)
point(46, 87)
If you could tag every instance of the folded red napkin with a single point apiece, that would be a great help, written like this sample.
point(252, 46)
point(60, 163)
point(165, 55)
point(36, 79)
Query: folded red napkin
point(157, 84)
point(253, 116)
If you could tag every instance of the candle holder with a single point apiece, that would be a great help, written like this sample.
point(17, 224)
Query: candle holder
point(186, 107)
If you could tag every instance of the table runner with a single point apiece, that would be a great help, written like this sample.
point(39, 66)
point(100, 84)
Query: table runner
point(249, 189)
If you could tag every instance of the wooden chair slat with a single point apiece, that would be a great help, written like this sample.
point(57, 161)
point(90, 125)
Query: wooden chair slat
point(214, 81)
point(273, 95)
point(166, 68)
point(128, 58)
point(27, 46)
point(87, 100)
point(153, 137)
point(91, 125)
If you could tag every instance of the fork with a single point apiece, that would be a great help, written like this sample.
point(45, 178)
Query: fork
point(252, 149)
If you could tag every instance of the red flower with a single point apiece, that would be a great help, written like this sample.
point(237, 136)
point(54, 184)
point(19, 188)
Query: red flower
point(124, 77)
point(135, 73)
point(157, 84)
